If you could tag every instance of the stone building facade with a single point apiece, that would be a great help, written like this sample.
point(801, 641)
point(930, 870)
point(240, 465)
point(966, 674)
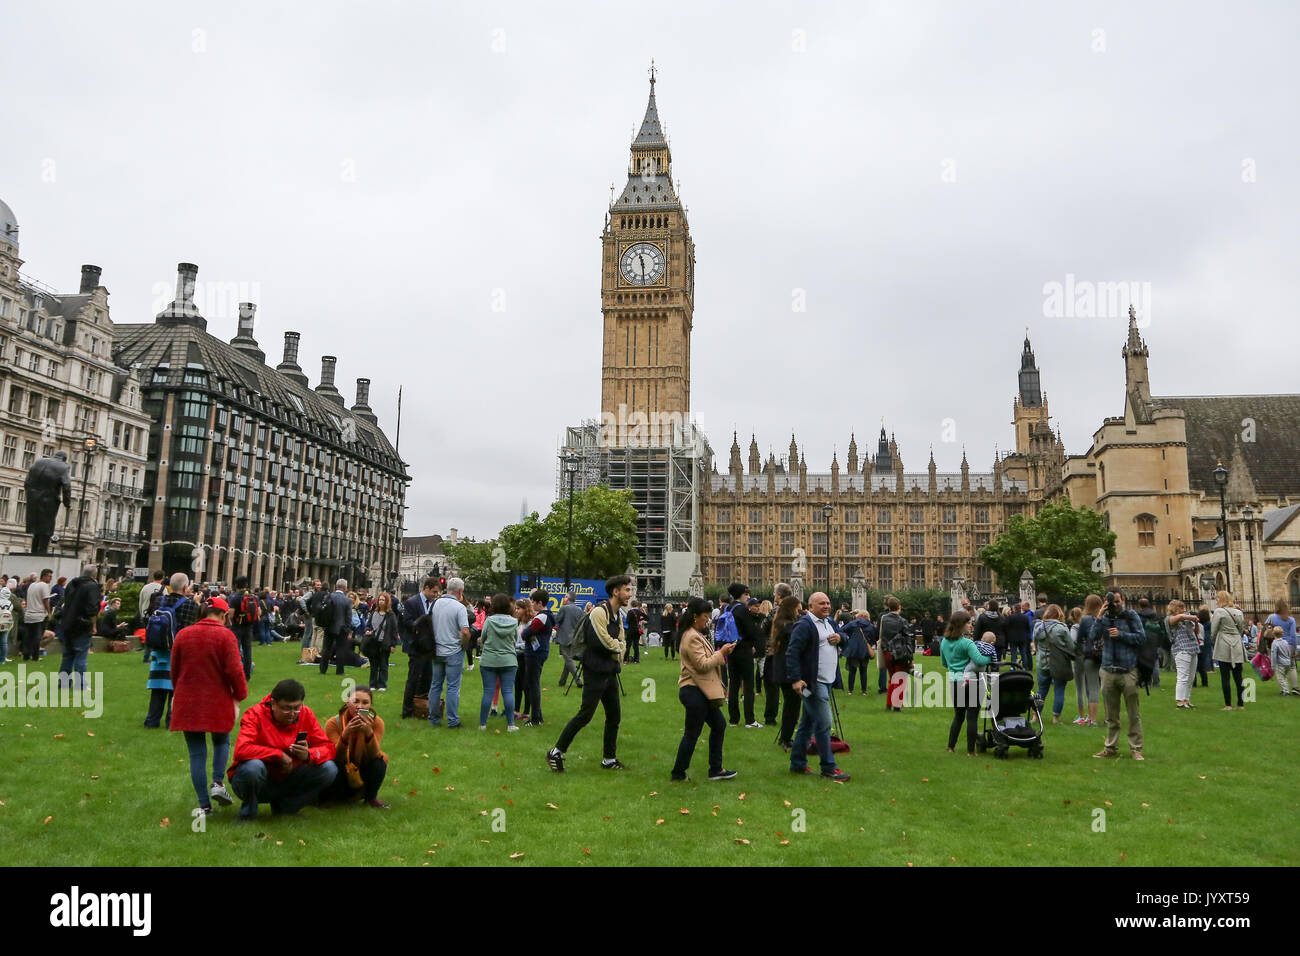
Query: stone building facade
point(62, 390)
point(251, 471)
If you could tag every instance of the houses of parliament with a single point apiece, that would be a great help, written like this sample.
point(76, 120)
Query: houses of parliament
point(1149, 470)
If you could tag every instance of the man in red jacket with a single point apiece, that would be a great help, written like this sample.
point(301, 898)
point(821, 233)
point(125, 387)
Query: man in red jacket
point(282, 754)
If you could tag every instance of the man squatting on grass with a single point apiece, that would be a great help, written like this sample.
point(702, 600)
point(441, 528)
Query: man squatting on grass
point(602, 653)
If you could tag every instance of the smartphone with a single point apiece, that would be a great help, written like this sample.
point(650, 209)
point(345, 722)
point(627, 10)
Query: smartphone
point(302, 738)
point(363, 713)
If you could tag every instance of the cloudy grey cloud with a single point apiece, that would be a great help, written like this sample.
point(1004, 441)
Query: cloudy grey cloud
point(419, 189)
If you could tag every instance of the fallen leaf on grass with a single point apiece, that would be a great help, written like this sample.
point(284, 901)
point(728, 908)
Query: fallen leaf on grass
point(302, 842)
point(482, 813)
point(279, 843)
point(741, 797)
point(410, 793)
point(659, 821)
point(739, 822)
point(515, 856)
point(743, 842)
point(909, 864)
point(56, 736)
point(925, 779)
point(90, 733)
point(586, 851)
point(1108, 803)
point(165, 822)
point(94, 776)
point(685, 811)
point(654, 793)
point(437, 770)
point(449, 788)
point(787, 802)
point(784, 843)
point(552, 806)
point(1201, 775)
point(47, 819)
point(430, 851)
point(1146, 804)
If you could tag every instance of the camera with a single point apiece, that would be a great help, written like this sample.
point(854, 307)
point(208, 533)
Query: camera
point(1112, 605)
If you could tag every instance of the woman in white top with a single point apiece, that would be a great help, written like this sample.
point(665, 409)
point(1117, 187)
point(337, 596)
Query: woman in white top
point(1227, 627)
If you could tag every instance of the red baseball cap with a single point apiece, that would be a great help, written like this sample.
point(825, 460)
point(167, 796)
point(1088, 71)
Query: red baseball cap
point(218, 603)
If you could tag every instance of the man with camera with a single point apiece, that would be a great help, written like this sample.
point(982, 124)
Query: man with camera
point(1122, 635)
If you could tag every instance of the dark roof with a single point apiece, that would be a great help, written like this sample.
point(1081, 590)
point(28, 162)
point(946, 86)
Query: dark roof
point(1276, 519)
point(178, 345)
point(423, 544)
point(1214, 422)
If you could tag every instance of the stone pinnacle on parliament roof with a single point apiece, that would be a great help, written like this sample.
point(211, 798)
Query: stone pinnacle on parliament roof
point(1134, 345)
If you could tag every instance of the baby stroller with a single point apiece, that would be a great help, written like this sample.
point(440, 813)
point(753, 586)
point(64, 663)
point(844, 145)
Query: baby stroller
point(1012, 708)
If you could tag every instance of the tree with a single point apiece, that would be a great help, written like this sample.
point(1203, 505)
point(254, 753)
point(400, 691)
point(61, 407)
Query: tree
point(1066, 549)
point(604, 536)
point(479, 567)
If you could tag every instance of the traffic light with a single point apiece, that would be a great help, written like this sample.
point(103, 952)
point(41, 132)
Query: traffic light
point(442, 582)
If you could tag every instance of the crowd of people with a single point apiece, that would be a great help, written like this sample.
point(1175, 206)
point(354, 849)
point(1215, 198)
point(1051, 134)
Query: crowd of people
point(198, 644)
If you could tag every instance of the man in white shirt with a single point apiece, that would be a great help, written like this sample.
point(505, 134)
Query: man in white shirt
point(813, 666)
point(450, 634)
point(35, 613)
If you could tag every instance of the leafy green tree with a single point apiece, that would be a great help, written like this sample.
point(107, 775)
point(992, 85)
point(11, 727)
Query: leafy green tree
point(480, 568)
point(604, 536)
point(1062, 547)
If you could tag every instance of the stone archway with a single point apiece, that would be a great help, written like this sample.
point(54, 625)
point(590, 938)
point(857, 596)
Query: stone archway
point(1292, 588)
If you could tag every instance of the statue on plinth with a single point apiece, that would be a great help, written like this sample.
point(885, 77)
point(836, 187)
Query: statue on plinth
point(48, 481)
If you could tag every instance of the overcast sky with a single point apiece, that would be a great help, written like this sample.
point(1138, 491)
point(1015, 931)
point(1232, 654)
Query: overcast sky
point(372, 174)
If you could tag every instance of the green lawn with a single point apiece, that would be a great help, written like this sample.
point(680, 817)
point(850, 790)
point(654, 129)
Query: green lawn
point(1216, 789)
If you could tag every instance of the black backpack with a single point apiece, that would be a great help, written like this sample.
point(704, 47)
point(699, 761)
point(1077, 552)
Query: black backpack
point(1147, 656)
point(322, 611)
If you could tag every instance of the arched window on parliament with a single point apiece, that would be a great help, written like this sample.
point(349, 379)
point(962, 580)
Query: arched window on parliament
point(1146, 529)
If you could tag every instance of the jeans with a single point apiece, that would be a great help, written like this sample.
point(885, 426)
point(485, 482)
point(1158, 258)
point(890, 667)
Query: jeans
point(372, 771)
point(4, 646)
point(253, 784)
point(197, 744)
point(419, 672)
point(533, 682)
point(857, 666)
point(449, 669)
point(1227, 674)
point(379, 669)
point(1185, 664)
point(699, 711)
point(490, 677)
point(75, 652)
point(30, 640)
point(966, 708)
point(1044, 677)
point(1018, 651)
point(599, 689)
point(1113, 686)
point(245, 637)
point(741, 666)
point(815, 722)
point(335, 647)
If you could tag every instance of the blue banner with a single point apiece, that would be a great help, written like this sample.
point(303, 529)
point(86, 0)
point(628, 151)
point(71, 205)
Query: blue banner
point(584, 591)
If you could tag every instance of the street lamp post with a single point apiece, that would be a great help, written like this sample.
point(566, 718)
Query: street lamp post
point(1221, 479)
point(827, 511)
point(570, 469)
point(90, 443)
point(1249, 513)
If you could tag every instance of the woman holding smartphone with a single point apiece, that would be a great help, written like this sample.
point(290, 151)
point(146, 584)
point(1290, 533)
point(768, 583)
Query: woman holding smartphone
point(700, 690)
point(357, 733)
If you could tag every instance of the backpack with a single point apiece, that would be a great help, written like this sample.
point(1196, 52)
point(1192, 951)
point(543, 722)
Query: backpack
point(901, 645)
point(724, 628)
point(6, 615)
point(1060, 660)
point(323, 613)
point(579, 646)
point(160, 629)
point(1147, 658)
point(249, 610)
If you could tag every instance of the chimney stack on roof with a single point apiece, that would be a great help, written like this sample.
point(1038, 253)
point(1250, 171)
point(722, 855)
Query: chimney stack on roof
point(182, 310)
point(90, 278)
point(288, 366)
point(244, 340)
point(362, 408)
point(326, 387)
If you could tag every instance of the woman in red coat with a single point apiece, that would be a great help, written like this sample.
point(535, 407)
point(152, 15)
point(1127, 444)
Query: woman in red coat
point(208, 683)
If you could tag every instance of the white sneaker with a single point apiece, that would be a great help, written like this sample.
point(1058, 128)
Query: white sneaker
point(512, 728)
point(219, 793)
point(482, 726)
point(754, 725)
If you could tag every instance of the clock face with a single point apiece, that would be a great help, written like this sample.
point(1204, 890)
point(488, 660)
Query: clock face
point(642, 264)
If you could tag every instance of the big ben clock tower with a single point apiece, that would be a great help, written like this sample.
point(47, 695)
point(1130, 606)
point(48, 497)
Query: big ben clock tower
point(647, 288)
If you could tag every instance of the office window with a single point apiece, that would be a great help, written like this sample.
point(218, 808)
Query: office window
point(981, 539)
point(884, 543)
point(819, 542)
point(850, 515)
point(10, 453)
point(885, 575)
point(981, 515)
point(724, 516)
point(756, 542)
point(4, 504)
point(29, 454)
point(851, 543)
point(916, 515)
point(787, 543)
point(755, 515)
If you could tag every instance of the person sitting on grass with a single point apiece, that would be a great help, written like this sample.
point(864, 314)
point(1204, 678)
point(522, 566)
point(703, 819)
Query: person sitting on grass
point(357, 734)
point(700, 691)
point(282, 755)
